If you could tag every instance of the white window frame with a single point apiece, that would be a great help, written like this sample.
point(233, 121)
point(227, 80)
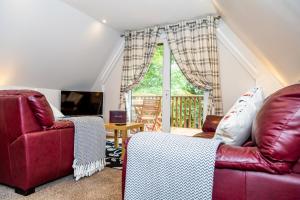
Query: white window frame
point(166, 92)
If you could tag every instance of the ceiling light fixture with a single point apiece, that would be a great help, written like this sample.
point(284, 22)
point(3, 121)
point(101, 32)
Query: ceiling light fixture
point(104, 21)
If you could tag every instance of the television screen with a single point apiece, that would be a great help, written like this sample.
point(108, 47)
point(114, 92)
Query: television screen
point(76, 103)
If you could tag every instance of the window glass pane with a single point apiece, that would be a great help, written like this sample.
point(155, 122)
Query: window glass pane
point(146, 97)
point(180, 85)
point(186, 101)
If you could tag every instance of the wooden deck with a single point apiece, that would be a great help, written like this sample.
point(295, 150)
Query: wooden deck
point(186, 111)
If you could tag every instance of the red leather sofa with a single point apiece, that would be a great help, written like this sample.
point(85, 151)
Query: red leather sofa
point(34, 149)
point(267, 166)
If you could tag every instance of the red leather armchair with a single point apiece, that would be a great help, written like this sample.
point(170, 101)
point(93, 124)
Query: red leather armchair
point(268, 167)
point(34, 149)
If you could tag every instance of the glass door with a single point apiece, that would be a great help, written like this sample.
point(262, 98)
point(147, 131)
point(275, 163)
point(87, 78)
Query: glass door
point(165, 100)
point(146, 98)
point(186, 103)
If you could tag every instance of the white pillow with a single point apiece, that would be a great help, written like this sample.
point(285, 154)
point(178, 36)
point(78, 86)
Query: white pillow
point(57, 114)
point(235, 127)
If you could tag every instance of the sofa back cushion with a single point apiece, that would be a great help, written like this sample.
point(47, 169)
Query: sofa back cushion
point(211, 123)
point(41, 109)
point(16, 115)
point(276, 128)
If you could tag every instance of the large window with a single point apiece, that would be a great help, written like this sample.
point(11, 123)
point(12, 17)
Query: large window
point(180, 102)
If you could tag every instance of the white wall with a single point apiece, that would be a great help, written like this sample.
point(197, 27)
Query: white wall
point(109, 80)
point(53, 96)
point(235, 80)
point(270, 29)
point(49, 44)
point(247, 59)
point(112, 90)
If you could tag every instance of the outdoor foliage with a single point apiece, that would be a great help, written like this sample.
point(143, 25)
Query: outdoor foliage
point(152, 81)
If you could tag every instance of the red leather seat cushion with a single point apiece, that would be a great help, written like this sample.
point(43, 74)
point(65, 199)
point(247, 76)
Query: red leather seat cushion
point(248, 159)
point(41, 109)
point(277, 125)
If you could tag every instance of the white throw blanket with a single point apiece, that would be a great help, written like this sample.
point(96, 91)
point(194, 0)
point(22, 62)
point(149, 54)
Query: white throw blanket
point(89, 146)
point(169, 167)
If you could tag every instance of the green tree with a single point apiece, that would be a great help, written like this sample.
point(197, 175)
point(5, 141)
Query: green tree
point(151, 84)
point(152, 81)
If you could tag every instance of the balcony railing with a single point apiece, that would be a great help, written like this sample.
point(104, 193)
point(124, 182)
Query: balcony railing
point(186, 111)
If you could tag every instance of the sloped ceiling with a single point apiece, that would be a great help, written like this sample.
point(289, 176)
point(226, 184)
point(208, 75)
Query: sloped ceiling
point(271, 29)
point(60, 44)
point(49, 44)
point(135, 14)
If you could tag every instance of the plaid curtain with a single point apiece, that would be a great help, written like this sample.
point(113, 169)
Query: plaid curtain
point(138, 52)
point(194, 46)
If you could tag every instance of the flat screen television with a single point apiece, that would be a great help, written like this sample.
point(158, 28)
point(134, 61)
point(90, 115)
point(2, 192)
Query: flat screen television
point(77, 103)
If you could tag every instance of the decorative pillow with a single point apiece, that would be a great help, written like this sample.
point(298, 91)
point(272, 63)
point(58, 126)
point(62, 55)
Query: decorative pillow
point(235, 127)
point(57, 114)
point(41, 109)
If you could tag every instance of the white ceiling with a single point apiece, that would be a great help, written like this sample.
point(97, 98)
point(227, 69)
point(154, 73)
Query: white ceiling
point(135, 14)
point(271, 29)
point(49, 44)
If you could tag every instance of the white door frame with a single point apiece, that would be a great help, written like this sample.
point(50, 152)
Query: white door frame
point(166, 93)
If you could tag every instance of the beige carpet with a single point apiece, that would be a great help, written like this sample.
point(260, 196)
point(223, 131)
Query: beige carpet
point(103, 185)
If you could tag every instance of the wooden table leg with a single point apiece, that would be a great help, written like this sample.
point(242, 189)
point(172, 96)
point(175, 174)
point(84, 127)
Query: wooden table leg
point(124, 137)
point(116, 141)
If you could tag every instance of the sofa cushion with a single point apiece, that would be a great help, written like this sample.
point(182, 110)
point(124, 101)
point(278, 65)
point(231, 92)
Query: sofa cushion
point(211, 123)
point(248, 159)
point(277, 125)
point(235, 127)
point(41, 109)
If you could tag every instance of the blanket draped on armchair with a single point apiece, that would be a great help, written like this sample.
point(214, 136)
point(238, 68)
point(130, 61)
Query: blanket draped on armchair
point(165, 166)
point(89, 146)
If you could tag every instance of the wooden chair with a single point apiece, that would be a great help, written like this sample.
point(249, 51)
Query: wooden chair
point(150, 114)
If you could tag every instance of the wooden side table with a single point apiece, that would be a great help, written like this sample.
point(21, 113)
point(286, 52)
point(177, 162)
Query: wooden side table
point(123, 130)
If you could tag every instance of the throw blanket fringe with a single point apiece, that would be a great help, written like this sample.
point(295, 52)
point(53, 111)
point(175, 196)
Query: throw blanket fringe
point(89, 145)
point(89, 169)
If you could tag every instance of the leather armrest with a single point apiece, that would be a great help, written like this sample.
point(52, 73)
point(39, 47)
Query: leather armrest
point(207, 135)
point(61, 124)
point(211, 123)
point(249, 144)
point(248, 158)
point(39, 157)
